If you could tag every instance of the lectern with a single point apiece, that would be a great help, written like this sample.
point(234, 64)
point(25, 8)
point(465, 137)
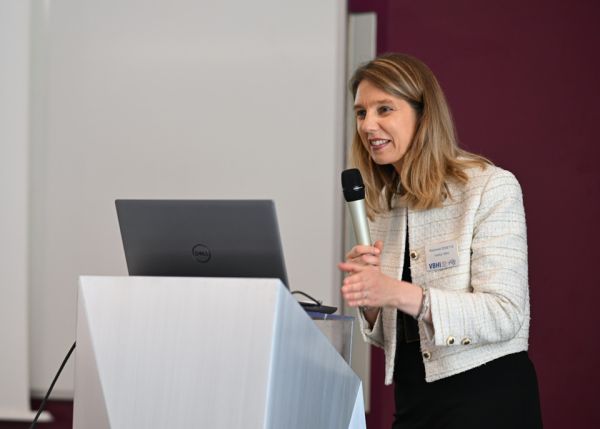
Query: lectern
point(166, 352)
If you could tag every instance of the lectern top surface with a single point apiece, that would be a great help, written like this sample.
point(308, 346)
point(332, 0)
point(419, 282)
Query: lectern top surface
point(201, 238)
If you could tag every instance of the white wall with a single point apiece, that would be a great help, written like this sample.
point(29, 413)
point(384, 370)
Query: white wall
point(14, 151)
point(178, 99)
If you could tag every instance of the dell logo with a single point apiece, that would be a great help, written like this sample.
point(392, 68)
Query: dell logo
point(201, 253)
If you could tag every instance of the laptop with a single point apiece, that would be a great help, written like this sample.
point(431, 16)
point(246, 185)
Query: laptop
point(201, 238)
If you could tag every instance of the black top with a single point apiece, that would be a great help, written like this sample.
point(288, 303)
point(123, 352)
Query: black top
point(407, 328)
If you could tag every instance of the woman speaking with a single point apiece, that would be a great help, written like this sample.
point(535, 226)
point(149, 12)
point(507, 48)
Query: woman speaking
point(444, 288)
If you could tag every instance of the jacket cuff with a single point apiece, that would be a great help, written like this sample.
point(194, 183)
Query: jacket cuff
point(447, 330)
point(371, 334)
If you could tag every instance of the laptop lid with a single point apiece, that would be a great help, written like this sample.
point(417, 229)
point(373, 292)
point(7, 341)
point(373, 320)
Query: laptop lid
point(201, 238)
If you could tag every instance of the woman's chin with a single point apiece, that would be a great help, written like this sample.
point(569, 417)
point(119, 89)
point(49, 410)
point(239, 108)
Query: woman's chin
point(379, 160)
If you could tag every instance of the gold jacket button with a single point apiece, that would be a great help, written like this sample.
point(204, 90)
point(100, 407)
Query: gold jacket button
point(450, 341)
point(426, 355)
point(414, 255)
point(466, 341)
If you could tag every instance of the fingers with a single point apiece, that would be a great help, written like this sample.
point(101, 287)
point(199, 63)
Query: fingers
point(356, 296)
point(358, 256)
point(360, 250)
point(355, 288)
point(356, 299)
point(379, 245)
point(353, 283)
point(358, 303)
point(366, 259)
point(351, 267)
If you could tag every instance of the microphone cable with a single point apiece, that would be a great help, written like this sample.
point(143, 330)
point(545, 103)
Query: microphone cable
point(315, 306)
point(43, 404)
point(316, 301)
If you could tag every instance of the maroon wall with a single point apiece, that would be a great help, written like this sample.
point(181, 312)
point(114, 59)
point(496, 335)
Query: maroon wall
point(522, 79)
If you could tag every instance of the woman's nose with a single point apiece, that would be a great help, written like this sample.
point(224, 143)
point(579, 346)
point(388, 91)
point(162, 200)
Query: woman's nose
point(368, 124)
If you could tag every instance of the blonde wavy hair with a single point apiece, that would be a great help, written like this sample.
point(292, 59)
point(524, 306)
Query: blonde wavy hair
point(432, 159)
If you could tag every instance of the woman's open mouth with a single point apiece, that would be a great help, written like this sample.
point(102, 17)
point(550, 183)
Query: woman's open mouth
point(378, 144)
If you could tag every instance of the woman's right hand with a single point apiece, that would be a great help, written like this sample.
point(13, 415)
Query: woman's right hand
point(366, 255)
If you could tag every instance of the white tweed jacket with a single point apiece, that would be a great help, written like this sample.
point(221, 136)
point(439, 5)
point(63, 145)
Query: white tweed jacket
point(480, 306)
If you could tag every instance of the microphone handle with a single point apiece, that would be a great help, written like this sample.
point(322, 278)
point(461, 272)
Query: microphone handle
point(358, 213)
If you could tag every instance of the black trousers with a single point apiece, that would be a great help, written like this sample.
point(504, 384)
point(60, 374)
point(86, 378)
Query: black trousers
point(502, 393)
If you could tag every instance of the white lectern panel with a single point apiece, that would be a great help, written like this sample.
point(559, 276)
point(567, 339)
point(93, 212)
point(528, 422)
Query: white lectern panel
point(208, 353)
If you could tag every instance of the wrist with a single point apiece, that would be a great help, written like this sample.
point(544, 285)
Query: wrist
point(409, 298)
point(425, 306)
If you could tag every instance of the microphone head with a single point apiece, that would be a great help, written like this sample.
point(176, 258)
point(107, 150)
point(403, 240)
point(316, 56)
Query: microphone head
point(352, 185)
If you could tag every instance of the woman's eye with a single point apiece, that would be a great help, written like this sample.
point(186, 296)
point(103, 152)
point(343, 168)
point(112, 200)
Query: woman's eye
point(360, 114)
point(384, 109)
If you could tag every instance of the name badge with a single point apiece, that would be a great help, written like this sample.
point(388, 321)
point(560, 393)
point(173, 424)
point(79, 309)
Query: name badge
point(440, 256)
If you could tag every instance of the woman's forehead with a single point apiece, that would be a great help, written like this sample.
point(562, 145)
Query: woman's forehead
point(367, 91)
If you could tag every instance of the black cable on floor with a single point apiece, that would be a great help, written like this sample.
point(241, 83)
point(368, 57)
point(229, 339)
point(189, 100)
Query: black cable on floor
point(43, 404)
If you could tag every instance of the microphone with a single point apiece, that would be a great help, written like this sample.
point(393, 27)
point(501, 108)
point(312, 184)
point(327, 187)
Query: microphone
point(354, 194)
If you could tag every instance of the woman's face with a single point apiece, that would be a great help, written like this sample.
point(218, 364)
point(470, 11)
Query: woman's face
point(385, 123)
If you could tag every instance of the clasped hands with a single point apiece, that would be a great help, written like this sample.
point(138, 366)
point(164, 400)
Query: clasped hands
point(366, 285)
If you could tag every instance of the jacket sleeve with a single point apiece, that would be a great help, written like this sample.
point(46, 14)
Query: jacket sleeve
point(495, 308)
point(372, 335)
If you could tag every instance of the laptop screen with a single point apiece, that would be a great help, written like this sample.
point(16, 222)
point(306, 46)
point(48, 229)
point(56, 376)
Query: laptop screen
point(201, 238)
